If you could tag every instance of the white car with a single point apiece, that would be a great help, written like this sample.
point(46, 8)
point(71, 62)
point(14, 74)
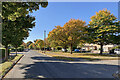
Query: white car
point(117, 51)
point(64, 50)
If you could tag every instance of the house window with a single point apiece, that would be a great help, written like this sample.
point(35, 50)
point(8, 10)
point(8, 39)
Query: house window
point(95, 48)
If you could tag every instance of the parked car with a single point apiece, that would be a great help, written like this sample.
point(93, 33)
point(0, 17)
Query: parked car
point(64, 50)
point(83, 50)
point(117, 51)
point(77, 50)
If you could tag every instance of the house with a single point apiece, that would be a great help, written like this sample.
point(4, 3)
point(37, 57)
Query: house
point(96, 48)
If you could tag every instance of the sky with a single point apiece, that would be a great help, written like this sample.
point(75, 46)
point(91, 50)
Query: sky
point(58, 13)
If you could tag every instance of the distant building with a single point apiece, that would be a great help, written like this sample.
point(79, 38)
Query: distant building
point(96, 48)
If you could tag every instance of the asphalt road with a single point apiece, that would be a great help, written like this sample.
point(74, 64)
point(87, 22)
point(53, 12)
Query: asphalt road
point(37, 65)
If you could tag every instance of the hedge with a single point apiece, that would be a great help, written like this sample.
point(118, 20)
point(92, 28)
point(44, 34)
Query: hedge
point(2, 53)
point(20, 49)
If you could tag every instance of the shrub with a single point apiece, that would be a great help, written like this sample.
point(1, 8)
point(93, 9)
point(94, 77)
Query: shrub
point(13, 49)
point(2, 53)
point(117, 47)
point(20, 49)
point(74, 48)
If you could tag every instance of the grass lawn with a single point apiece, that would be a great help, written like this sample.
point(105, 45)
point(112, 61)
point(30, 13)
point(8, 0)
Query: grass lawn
point(7, 64)
point(64, 58)
point(87, 56)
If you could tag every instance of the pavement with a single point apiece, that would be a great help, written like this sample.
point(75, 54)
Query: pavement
point(38, 65)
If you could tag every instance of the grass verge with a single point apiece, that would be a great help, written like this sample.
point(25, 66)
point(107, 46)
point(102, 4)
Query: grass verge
point(87, 56)
point(4, 67)
point(64, 58)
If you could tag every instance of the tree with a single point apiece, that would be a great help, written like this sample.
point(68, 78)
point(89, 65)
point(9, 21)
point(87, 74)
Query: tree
point(47, 43)
point(24, 44)
point(52, 38)
point(17, 44)
point(75, 32)
point(21, 31)
point(39, 43)
point(28, 43)
point(13, 11)
point(32, 46)
point(71, 34)
point(18, 38)
point(57, 37)
point(103, 28)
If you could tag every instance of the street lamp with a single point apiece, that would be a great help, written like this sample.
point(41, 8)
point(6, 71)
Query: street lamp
point(44, 39)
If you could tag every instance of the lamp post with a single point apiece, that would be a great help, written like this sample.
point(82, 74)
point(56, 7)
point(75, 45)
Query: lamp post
point(44, 39)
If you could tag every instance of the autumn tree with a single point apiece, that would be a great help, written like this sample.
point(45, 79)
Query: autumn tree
point(28, 43)
point(47, 43)
point(71, 34)
point(103, 28)
point(52, 38)
point(57, 37)
point(74, 29)
point(32, 46)
point(39, 44)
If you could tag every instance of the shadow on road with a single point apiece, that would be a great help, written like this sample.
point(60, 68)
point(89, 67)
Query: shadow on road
point(74, 59)
point(48, 67)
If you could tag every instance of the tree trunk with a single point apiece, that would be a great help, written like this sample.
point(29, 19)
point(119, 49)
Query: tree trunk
point(53, 49)
point(6, 53)
point(65, 48)
point(16, 51)
point(101, 49)
point(71, 48)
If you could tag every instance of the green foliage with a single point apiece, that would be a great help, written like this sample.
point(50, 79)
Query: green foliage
point(2, 53)
point(32, 46)
point(13, 10)
point(24, 45)
point(12, 49)
point(20, 49)
point(117, 47)
point(15, 15)
point(103, 29)
point(39, 44)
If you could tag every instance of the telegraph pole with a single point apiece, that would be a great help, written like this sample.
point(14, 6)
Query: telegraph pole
point(44, 39)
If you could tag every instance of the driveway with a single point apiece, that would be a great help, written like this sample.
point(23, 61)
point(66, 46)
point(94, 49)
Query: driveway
point(37, 65)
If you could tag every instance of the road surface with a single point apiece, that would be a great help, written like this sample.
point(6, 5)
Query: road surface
point(37, 65)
